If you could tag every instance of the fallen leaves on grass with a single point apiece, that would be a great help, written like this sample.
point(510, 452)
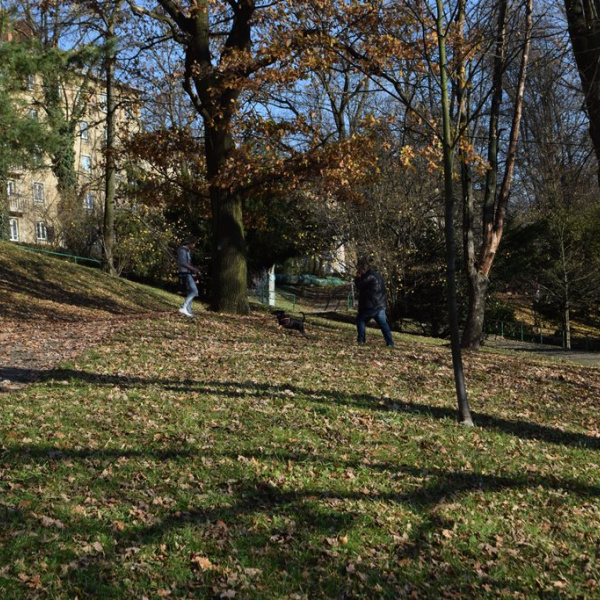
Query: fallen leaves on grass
point(256, 464)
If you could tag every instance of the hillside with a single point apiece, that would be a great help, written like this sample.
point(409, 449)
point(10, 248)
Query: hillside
point(226, 458)
point(38, 286)
point(51, 310)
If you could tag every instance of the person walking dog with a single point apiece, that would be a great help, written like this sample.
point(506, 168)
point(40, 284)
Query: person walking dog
point(187, 271)
point(372, 302)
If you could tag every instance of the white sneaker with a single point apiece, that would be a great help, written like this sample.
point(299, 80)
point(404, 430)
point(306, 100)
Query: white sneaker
point(184, 311)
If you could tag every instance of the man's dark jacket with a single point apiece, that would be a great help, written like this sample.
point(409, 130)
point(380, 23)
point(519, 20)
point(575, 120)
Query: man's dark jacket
point(371, 292)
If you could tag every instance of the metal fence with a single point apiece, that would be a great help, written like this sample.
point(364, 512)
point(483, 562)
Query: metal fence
point(262, 294)
point(73, 257)
point(512, 330)
point(318, 298)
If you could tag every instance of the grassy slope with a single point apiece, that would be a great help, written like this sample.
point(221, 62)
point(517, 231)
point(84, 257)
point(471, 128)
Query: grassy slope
point(224, 458)
point(37, 286)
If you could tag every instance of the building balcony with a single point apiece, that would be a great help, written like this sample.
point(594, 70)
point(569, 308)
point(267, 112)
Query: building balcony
point(17, 204)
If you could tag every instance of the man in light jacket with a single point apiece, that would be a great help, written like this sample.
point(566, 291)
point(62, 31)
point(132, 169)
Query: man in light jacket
point(187, 274)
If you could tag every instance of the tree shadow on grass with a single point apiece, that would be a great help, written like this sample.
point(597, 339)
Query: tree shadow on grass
point(521, 429)
point(444, 482)
point(525, 430)
point(28, 453)
point(312, 545)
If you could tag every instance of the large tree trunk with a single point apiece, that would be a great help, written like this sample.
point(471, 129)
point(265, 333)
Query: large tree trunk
point(584, 30)
point(230, 293)
point(214, 90)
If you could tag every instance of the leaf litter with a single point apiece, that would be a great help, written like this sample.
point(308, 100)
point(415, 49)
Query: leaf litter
point(224, 458)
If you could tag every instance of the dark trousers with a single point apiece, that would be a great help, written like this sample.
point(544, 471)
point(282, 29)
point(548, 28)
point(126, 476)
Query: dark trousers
point(363, 317)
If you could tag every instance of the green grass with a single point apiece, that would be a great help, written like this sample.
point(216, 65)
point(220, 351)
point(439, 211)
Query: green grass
point(225, 458)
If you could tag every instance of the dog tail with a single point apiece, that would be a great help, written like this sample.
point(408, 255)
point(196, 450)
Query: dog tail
point(303, 316)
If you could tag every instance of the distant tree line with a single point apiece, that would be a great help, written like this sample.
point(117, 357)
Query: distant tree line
point(283, 130)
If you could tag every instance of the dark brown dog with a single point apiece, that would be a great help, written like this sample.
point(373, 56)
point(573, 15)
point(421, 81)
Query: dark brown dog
point(288, 322)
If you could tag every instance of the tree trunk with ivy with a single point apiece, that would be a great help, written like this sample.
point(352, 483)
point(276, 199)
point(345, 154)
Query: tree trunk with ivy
point(63, 69)
point(63, 157)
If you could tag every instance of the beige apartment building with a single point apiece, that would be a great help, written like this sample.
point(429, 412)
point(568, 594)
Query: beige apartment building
point(32, 194)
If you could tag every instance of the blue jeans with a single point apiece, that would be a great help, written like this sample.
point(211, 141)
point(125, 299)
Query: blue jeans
point(362, 318)
point(192, 291)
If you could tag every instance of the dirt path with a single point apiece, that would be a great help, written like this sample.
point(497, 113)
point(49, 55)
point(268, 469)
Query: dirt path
point(30, 348)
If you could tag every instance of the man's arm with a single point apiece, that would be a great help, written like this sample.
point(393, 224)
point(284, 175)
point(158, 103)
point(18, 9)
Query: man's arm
point(190, 267)
point(363, 281)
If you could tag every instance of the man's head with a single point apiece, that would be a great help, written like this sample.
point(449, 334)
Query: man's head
point(363, 265)
point(190, 240)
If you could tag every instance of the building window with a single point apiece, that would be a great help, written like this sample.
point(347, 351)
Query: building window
point(14, 230)
point(84, 131)
point(38, 193)
point(37, 156)
point(41, 233)
point(33, 114)
point(86, 163)
point(102, 102)
point(88, 201)
point(11, 188)
point(30, 82)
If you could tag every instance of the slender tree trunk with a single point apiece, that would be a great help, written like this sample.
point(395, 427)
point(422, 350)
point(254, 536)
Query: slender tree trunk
point(108, 231)
point(477, 285)
point(566, 293)
point(479, 265)
point(478, 280)
point(464, 413)
point(4, 212)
